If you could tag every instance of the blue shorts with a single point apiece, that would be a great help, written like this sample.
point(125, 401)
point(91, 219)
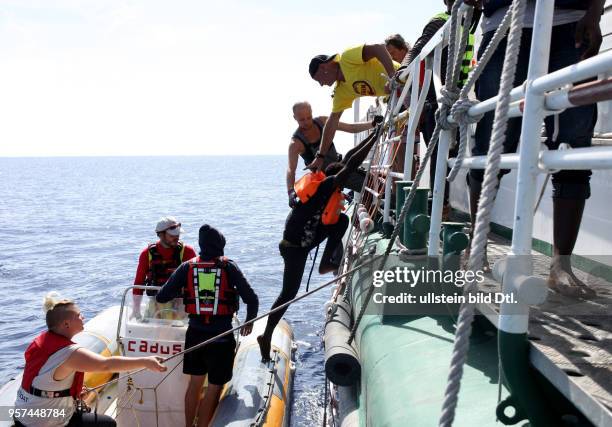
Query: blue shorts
point(575, 124)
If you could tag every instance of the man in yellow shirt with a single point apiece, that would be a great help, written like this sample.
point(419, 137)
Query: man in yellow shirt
point(358, 71)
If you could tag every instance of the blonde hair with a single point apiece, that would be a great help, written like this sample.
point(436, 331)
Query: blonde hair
point(56, 309)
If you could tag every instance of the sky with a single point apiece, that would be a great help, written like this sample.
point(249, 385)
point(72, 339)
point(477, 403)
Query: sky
point(146, 77)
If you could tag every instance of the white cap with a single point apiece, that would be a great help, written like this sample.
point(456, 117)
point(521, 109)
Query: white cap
point(170, 225)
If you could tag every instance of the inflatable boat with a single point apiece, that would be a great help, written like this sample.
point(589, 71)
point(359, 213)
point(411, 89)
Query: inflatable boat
point(259, 393)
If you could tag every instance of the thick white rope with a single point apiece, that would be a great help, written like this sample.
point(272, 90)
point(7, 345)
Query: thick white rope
point(459, 111)
point(483, 217)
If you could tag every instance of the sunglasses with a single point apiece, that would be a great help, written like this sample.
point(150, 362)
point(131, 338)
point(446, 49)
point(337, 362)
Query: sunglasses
point(173, 227)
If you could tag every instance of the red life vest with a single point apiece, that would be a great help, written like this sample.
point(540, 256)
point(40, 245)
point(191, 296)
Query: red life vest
point(208, 292)
point(161, 269)
point(37, 354)
point(306, 187)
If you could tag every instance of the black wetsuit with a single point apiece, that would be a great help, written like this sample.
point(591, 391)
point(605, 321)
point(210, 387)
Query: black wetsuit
point(304, 231)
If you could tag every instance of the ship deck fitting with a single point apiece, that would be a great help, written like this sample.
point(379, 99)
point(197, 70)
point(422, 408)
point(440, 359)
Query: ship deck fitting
point(570, 338)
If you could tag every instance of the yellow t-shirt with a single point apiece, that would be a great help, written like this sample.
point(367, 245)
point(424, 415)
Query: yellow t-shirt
point(360, 78)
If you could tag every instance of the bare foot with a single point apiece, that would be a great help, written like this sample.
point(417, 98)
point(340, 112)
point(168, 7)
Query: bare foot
point(264, 348)
point(566, 283)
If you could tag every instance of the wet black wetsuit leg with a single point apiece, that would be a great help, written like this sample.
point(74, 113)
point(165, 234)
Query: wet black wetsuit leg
point(334, 233)
point(295, 261)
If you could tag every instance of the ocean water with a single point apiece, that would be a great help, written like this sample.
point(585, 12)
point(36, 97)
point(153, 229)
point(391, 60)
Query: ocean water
point(77, 225)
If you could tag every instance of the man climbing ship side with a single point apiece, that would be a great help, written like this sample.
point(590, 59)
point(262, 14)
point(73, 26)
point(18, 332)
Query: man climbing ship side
point(305, 229)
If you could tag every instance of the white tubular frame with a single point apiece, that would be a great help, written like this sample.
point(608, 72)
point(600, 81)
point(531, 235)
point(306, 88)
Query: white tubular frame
point(542, 94)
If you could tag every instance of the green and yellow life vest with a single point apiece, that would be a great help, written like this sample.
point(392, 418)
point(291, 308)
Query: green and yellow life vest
point(466, 63)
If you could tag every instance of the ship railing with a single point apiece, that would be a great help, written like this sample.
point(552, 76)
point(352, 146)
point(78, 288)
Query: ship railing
point(541, 95)
point(557, 94)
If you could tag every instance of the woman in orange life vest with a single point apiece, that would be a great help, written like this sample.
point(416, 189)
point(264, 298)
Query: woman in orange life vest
point(309, 223)
point(210, 284)
point(54, 368)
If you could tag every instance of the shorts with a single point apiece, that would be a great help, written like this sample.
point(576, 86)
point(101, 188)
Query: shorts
point(215, 359)
point(575, 124)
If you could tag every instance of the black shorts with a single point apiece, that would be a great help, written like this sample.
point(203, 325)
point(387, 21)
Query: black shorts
point(215, 359)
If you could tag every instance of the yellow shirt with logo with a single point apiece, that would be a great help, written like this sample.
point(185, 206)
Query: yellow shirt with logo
point(360, 78)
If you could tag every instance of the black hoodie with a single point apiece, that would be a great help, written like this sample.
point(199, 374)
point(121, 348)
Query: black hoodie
point(212, 244)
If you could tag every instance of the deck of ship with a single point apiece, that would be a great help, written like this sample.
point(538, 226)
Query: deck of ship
point(571, 339)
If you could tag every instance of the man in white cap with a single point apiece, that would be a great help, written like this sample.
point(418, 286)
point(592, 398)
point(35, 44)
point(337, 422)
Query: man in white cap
point(159, 260)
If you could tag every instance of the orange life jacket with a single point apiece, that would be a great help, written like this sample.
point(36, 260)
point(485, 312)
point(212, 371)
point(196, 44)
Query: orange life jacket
point(37, 354)
point(208, 292)
point(307, 186)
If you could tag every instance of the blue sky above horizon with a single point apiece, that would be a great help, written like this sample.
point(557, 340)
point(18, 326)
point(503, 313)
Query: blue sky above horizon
point(88, 77)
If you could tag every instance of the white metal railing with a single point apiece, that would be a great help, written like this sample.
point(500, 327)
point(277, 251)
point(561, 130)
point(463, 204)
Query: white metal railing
point(543, 94)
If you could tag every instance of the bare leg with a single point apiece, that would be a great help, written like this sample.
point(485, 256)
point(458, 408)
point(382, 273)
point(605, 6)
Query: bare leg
point(209, 404)
point(192, 397)
point(567, 216)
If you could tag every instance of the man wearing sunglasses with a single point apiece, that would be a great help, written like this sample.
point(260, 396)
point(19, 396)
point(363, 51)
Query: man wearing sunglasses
point(159, 260)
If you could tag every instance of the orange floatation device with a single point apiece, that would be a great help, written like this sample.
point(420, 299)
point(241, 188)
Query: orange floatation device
point(307, 186)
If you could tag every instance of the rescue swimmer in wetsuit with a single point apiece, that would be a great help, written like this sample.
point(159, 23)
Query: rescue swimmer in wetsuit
point(309, 223)
point(210, 285)
point(155, 265)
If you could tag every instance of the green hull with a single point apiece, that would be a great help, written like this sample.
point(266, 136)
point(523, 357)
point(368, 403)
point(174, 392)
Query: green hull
point(405, 363)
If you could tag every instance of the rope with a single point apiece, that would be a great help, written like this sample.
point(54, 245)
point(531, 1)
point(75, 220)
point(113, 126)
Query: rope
point(459, 111)
point(312, 267)
point(325, 392)
point(485, 206)
point(449, 96)
point(229, 331)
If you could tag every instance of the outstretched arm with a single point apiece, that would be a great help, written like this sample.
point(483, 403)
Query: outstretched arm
point(379, 51)
point(355, 127)
point(83, 360)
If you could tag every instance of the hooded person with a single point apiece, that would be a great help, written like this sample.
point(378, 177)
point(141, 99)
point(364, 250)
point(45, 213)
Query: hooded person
point(210, 285)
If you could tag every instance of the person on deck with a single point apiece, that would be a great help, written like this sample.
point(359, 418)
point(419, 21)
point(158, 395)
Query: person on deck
point(356, 72)
point(211, 285)
point(158, 260)
point(427, 122)
point(576, 35)
point(305, 229)
point(54, 371)
point(397, 47)
point(306, 141)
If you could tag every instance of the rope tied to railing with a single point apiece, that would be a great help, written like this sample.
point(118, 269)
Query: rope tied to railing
point(460, 110)
point(483, 216)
